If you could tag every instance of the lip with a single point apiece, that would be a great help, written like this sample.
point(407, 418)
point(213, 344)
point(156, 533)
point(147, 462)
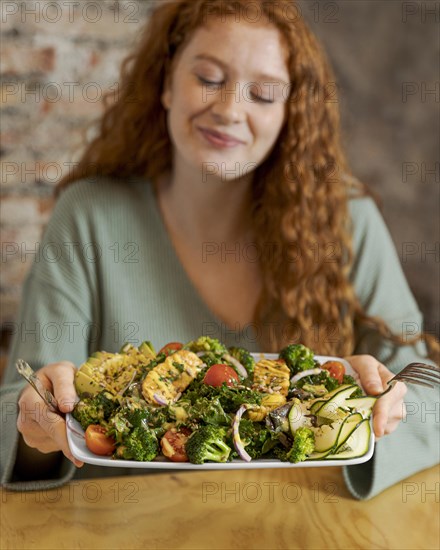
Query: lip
point(219, 138)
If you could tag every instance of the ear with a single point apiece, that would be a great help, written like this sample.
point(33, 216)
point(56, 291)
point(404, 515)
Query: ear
point(166, 99)
point(166, 94)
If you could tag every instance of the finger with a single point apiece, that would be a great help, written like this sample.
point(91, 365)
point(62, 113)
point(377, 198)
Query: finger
point(41, 428)
point(397, 414)
point(389, 410)
point(385, 374)
point(29, 406)
point(368, 369)
point(55, 427)
point(61, 377)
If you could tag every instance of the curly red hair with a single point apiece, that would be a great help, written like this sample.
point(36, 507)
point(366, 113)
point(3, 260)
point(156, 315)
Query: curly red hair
point(301, 190)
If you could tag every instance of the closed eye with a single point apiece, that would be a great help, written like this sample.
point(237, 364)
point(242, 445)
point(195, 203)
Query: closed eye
point(217, 85)
point(210, 83)
point(261, 99)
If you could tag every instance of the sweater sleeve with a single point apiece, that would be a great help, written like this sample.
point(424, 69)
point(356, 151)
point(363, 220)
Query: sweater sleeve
point(383, 291)
point(54, 324)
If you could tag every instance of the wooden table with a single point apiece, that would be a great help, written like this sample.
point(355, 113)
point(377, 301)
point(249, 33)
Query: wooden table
point(301, 508)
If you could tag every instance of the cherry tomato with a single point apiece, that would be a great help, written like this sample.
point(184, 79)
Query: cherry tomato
point(170, 348)
point(97, 442)
point(217, 374)
point(173, 444)
point(335, 369)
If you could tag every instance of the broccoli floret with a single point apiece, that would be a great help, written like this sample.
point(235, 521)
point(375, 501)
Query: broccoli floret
point(138, 418)
point(132, 431)
point(129, 416)
point(279, 452)
point(230, 398)
point(212, 349)
point(245, 358)
point(350, 380)
point(206, 343)
point(141, 444)
point(210, 411)
point(95, 410)
point(207, 443)
point(298, 358)
point(303, 445)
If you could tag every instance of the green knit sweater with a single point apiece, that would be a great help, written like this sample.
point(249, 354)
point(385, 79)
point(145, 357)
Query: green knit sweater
point(107, 273)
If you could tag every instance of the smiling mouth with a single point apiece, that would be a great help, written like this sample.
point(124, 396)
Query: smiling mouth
point(219, 139)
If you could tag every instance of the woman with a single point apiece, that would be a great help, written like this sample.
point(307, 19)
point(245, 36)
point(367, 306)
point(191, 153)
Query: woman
point(223, 141)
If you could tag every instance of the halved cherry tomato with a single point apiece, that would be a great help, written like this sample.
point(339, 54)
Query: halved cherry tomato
point(219, 373)
point(170, 348)
point(173, 444)
point(99, 443)
point(335, 369)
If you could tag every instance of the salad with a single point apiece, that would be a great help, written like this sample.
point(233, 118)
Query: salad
point(201, 402)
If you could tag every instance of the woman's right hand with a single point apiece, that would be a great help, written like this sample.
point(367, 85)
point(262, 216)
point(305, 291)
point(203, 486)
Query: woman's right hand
point(41, 428)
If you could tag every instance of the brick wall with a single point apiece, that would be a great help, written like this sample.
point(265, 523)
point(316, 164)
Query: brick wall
point(59, 57)
point(57, 60)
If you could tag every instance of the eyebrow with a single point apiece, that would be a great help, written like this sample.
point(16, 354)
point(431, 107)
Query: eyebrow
point(261, 76)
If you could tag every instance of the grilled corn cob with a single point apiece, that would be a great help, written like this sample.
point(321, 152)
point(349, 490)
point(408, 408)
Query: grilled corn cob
point(269, 402)
point(111, 371)
point(166, 381)
point(271, 377)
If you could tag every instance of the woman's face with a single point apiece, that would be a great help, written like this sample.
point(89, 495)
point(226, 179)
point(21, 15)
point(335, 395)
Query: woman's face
point(226, 99)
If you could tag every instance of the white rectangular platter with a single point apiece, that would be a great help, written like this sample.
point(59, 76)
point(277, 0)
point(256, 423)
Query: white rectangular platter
point(75, 436)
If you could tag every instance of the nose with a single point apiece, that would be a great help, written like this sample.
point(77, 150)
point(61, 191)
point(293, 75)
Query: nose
point(228, 107)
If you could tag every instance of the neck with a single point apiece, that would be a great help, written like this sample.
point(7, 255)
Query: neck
point(206, 208)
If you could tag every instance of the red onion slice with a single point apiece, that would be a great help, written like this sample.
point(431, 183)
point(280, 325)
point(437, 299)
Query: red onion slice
point(159, 399)
point(305, 373)
point(72, 429)
point(121, 392)
point(236, 434)
point(241, 370)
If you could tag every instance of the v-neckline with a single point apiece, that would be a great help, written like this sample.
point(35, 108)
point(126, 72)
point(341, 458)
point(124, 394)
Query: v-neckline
point(240, 334)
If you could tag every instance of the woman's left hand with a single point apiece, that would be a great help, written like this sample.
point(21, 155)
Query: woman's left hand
point(390, 409)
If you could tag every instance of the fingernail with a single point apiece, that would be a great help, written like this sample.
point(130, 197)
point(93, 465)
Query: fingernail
point(68, 404)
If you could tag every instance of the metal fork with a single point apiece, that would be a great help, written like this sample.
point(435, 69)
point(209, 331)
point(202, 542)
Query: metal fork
point(420, 374)
point(29, 375)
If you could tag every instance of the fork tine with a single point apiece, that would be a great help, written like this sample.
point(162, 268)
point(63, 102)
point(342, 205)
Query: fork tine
point(414, 381)
point(411, 380)
point(423, 366)
point(421, 372)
